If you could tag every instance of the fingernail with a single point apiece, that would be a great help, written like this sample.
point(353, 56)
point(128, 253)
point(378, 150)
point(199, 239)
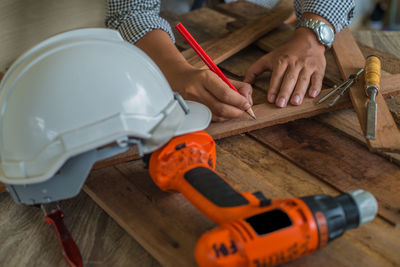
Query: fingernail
point(296, 99)
point(272, 98)
point(247, 106)
point(281, 102)
point(314, 93)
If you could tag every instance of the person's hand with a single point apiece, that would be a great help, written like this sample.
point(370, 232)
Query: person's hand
point(203, 86)
point(295, 66)
point(206, 87)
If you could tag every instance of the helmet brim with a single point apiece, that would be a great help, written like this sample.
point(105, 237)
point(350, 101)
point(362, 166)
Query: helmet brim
point(197, 119)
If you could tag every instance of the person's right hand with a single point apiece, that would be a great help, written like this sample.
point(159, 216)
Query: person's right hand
point(202, 86)
point(206, 87)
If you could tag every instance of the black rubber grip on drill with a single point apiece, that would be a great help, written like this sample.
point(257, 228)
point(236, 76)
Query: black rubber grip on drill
point(214, 188)
point(341, 212)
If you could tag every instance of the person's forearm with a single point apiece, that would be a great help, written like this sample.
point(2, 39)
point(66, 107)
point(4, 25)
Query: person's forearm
point(158, 45)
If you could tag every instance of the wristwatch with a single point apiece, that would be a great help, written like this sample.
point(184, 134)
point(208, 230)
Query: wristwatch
point(324, 31)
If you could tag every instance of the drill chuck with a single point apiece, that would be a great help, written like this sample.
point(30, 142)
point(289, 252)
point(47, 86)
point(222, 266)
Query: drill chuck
point(366, 204)
point(346, 211)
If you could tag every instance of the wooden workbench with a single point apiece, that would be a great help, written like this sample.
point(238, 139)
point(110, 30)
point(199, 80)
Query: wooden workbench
point(299, 158)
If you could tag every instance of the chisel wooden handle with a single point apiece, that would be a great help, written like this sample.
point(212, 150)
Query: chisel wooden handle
point(372, 73)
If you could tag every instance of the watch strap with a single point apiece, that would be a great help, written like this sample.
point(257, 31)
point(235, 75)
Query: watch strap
point(314, 25)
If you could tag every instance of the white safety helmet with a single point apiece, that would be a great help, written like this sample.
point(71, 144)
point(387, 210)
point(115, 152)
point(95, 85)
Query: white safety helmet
point(76, 92)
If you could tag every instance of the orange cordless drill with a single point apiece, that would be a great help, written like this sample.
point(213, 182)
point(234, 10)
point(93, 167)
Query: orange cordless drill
point(254, 230)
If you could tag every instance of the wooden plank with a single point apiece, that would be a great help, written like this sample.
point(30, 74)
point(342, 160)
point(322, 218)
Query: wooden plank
point(346, 121)
point(129, 196)
point(206, 23)
point(269, 114)
point(343, 163)
point(394, 106)
point(239, 63)
point(225, 47)
point(167, 226)
point(390, 63)
point(386, 41)
point(243, 11)
point(350, 59)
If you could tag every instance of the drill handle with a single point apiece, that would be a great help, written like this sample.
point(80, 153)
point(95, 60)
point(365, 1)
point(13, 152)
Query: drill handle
point(186, 164)
point(216, 198)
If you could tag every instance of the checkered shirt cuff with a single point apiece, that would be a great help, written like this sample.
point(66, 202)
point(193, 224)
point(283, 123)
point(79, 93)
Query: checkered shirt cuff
point(338, 12)
point(135, 18)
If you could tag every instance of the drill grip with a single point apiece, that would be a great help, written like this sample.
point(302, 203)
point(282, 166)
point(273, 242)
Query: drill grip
point(215, 197)
point(372, 72)
point(186, 164)
point(215, 189)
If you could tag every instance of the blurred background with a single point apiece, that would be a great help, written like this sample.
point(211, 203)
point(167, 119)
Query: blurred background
point(24, 23)
point(369, 14)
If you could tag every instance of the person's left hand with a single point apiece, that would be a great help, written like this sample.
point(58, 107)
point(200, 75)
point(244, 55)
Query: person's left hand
point(294, 66)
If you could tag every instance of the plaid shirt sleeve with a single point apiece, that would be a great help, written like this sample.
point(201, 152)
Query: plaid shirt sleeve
point(338, 12)
point(134, 18)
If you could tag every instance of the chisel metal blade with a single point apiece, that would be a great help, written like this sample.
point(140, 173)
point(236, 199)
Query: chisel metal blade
point(371, 120)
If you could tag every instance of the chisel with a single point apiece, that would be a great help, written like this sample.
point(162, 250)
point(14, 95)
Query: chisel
point(372, 84)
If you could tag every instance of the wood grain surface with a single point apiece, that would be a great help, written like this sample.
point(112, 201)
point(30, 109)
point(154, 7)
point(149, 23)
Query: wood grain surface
point(168, 226)
point(388, 43)
point(207, 23)
point(161, 222)
point(227, 46)
point(295, 180)
point(27, 240)
point(338, 161)
point(350, 59)
point(268, 114)
point(243, 11)
point(346, 122)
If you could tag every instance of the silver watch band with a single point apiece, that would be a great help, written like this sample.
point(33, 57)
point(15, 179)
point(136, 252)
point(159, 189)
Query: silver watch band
point(309, 23)
point(324, 31)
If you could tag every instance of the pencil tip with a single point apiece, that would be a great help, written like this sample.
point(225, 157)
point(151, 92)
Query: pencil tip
point(251, 113)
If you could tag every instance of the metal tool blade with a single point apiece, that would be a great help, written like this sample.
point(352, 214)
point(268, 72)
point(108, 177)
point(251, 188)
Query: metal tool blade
point(341, 93)
point(371, 120)
point(335, 88)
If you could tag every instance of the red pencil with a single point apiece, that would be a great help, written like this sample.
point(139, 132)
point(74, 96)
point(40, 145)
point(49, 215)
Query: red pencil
point(207, 60)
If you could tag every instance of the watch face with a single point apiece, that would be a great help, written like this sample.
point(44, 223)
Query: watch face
point(326, 33)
